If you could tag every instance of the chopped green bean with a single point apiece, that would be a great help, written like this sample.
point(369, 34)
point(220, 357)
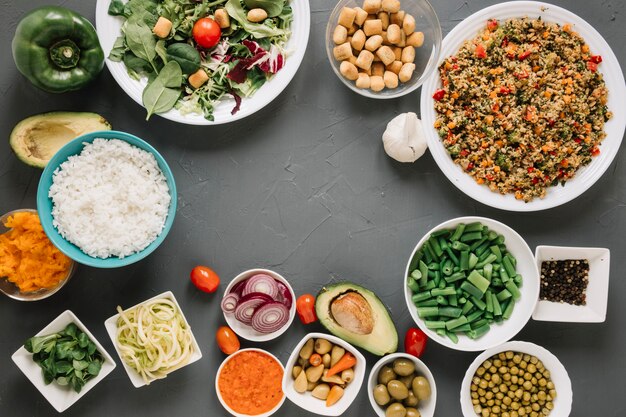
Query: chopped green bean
point(458, 232)
point(453, 323)
point(497, 307)
point(496, 251)
point(474, 316)
point(473, 260)
point(506, 314)
point(431, 302)
point(441, 300)
point(513, 290)
point(464, 260)
point(476, 244)
point(435, 324)
point(453, 337)
point(471, 289)
point(453, 300)
point(474, 227)
point(449, 312)
point(424, 271)
point(435, 246)
point(467, 307)
point(448, 267)
point(471, 236)
point(427, 311)
point(489, 259)
point(488, 271)
point(480, 282)
point(444, 291)
point(480, 304)
point(503, 295)
point(452, 256)
point(489, 301)
point(460, 246)
point(421, 296)
point(508, 266)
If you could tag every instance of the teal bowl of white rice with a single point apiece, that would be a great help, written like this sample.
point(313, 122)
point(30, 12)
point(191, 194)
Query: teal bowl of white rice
point(107, 199)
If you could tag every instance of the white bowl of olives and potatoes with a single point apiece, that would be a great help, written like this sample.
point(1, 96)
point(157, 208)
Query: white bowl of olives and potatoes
point(401, 385)
point(542, 384)
point(310, 399)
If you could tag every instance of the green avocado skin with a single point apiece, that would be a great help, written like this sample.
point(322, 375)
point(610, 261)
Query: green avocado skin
point(384, 338)
point(36, 43)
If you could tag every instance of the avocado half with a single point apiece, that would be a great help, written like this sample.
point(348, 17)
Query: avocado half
point(36, 139)
point(356, 315)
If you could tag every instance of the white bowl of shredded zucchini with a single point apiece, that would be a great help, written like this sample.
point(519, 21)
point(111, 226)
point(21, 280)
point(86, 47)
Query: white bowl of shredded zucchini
point(152, 339)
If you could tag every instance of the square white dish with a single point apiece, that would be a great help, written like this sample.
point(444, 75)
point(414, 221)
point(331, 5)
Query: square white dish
point(597, 289)
point(306, 400)
point(111, 326)
point(61, 397)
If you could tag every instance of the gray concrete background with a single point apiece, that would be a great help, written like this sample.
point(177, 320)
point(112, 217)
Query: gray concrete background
point(302, 187)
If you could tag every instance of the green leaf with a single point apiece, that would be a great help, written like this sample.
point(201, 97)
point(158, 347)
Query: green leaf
point(41, 343)
point(63, 367)
point(62, 380)
point(79, 365)
point(163, 92)
point(70, 330)
point(161, 50)
point(77, 383)
point(83, 340)
point(134, 7)
point(116, 8)
point(94, 368)
point(186, 55)
point(237, 12)
point(91, 349)
point(136, 64)
point(117, 52)
point(140, 40)
point(78, 355)
point(272, 7)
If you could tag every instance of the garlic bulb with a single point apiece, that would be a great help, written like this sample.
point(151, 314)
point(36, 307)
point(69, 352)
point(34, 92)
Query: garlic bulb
point(404, 138)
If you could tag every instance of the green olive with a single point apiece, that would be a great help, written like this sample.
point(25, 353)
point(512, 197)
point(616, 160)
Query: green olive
point(395, 410)
point(403, 367)
point(421, 388)
point(397, 390)
point(407, 380)
point(412, 412)
point(381, 395)
point(385, 375)
point(411, 400)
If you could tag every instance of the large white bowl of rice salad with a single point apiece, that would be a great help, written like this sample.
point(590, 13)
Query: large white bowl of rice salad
point(558, 157)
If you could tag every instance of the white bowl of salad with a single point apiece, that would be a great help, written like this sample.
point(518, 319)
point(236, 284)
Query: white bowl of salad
point(203, 63)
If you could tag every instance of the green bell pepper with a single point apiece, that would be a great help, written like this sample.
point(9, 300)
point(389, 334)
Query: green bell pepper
point(57, 49)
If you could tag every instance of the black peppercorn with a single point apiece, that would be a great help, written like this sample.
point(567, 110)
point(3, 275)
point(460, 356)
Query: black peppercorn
point(564, 281)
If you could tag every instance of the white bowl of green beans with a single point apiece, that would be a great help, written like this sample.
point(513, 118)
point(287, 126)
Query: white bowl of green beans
point(471, 283)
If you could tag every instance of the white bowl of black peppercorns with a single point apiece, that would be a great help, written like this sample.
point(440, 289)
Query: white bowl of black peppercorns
point(574, 284)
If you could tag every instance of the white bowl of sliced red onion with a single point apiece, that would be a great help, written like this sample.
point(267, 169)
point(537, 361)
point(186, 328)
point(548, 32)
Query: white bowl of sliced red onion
point(258, 305)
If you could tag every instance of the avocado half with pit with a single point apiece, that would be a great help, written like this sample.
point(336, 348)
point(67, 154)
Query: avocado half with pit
point(36, 139)
point(357, 315)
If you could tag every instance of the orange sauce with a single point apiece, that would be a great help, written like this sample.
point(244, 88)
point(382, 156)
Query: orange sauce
point(250, 383)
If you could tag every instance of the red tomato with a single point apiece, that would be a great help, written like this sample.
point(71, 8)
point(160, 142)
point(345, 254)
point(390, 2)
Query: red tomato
point(439, 95)
point(205, 279)
point(593, 67)
point(305, 306)
point(596, 59)
point(227, 340)
point(415, 342)
point(524, 55)
point(492, 24)
point(480, 51)
point(206, 32)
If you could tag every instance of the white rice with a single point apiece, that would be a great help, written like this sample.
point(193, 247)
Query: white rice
point(110, 200)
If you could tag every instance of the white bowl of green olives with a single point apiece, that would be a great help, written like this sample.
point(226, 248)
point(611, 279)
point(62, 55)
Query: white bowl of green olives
point(401, 385)
point(513, 376)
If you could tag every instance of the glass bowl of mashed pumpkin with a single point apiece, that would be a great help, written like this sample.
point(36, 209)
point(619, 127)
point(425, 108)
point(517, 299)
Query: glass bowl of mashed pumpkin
point(31, 267)
point(249, 383)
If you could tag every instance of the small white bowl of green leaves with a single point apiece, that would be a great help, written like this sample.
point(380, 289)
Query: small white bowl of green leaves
point(64, 361)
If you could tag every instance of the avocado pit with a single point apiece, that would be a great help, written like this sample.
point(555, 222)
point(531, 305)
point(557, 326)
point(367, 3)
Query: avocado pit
point(352, 312)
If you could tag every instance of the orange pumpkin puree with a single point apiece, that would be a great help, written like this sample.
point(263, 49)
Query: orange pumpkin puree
point(27, 257)
point(250, 383)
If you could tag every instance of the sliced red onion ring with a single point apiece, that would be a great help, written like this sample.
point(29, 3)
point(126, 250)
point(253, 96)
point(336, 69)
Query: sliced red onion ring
point(270, 317)
point(247, 305)
point(229, 302)
point(238, 287)
point(261, 283)
point(284, 295)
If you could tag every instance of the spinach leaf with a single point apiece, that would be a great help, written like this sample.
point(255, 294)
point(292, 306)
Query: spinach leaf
point(140, 40)
point(258, 31)
point(186, 55)
point(139, 6)
point(41, 343)
point(63, 367)
point(116, 8)
point(272, 7)
point(136, 66)
point(161, 50)
point(94, 368)
point(117, 52)
point(163, 92)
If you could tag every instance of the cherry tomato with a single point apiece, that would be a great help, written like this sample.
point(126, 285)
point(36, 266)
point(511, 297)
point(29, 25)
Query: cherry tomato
point(415, 342)
point(439, 94)
point(227, 340)
point(305, 306)
point(206, 32)
point(205, 279)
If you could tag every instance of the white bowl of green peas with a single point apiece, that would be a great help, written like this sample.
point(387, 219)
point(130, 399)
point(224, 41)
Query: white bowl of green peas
point(471, 283)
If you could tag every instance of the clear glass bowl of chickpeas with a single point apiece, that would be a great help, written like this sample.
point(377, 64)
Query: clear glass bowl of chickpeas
point(516, 379)
point(383, 48)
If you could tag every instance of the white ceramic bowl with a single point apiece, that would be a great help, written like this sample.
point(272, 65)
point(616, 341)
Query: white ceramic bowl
point(219, 395)
point(426, 408)
point(467, 29)
point(12, 291)
point(111, 327)
point(426, 56)
point(247, 332)
point(499, 333)
point(558, 374)
point(61, 397)
point(109, 28)
point(597, 289)
point(312, 404)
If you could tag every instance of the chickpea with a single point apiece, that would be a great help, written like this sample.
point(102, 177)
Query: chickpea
point(256, 15)
point(349, 71)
